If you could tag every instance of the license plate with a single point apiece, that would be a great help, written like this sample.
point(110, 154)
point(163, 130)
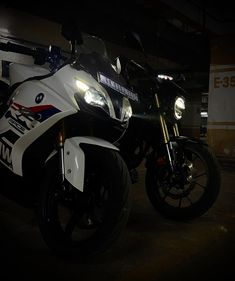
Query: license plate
point(117, 87)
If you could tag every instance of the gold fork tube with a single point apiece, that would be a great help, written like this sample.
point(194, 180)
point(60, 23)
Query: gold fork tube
point(163, 123)
point(176, 130)
point(165, 134)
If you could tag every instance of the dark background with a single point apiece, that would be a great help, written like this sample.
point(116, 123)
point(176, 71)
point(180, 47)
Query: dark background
point(180, 31)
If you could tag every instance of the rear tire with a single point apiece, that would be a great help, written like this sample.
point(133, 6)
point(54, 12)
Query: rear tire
point(67, 215)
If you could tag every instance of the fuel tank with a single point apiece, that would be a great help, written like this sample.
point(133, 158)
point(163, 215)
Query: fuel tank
point(20, 72)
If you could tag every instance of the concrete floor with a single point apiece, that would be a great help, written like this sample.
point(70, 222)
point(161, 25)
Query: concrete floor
point(150, 247)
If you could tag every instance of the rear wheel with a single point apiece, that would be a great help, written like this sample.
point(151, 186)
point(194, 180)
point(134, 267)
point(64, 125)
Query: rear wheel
point(84, 223)
point(191, 191)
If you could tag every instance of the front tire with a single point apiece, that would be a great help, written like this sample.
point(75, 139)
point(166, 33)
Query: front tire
point(75, 223)
point(185, 199)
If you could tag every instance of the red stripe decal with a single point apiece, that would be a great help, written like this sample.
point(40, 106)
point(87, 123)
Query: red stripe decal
point(40, 107)
point(33, 108)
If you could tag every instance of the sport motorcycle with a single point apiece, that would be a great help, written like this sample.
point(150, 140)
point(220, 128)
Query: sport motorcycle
point(59, 121)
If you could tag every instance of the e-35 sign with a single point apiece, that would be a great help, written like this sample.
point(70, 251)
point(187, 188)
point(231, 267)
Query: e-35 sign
point(227, 81)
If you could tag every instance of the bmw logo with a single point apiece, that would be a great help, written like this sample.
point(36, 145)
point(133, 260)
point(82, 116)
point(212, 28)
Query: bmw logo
point(39, 98)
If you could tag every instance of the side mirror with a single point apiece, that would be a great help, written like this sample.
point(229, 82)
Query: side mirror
point(71, 32)
point(117, 66)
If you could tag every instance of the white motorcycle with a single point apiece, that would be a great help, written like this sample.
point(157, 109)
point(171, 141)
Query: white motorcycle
point(57, 134)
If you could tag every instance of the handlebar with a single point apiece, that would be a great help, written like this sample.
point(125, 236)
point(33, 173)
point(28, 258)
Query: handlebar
point(41, 56)
point(15, 48)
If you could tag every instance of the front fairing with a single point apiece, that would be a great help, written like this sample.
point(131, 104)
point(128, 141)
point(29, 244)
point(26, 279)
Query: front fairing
point(166, 91)
point(96, 64)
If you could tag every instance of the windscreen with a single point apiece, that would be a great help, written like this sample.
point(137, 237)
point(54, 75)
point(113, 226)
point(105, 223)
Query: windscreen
point(93, 44)
point(93, 57)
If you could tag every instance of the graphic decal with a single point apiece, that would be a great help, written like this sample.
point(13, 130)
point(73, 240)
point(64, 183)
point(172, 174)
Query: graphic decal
point(5, 153)
point(7, 140)
point(45, 111)
point(22, 119)
point(25, 118)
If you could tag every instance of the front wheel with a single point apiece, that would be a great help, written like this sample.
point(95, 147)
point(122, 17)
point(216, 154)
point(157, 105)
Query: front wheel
point(189, 192)
point(75, 223)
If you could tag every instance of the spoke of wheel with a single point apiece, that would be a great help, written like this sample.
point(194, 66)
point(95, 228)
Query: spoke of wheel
point(194, 158)
point(190, 201)
point(180, 201)
point(200, 175)
point(71, 224)
point(167, 193)
point(200, 185)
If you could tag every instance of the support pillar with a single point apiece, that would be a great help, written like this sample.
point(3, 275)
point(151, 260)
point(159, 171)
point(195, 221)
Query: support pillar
point(221, 103)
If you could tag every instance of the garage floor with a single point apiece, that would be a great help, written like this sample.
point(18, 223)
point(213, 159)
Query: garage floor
point(150, 248)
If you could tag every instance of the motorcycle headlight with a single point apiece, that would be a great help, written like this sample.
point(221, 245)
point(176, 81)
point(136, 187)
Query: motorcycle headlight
point(126, 110)
point(179, 107)
point(96, 97)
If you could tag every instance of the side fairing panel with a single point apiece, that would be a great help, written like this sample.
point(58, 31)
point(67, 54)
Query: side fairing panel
point(34, 109)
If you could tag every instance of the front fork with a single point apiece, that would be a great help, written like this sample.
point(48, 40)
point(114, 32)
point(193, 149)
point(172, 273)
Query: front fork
point(166, 138)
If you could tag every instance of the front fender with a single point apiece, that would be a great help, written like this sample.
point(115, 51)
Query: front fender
point(74, 158)
point(184, 139)
point(177, 142)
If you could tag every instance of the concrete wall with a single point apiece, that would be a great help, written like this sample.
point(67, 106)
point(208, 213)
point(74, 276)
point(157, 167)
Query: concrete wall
point(221, 105)
point(20, 25)
point(16, 25)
